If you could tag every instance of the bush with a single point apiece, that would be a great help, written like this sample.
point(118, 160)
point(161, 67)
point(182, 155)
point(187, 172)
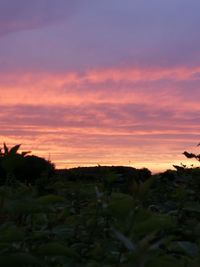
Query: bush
point(23, 167)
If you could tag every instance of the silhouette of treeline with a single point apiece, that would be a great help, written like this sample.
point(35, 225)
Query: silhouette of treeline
point(30, 169)
point(88, 173)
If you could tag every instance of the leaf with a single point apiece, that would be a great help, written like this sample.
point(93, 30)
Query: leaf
point(190, 248)
point(165, 261)
point(40, 219)
point(56, 249)
point(178, 168)
point(189, 155)
point(98, 193)
point(11, 234)
point(121, 205)
point(50, 199)
point(5, 149)
point(14, 149)
point(152, 224)
point(24, 153)
point(127, 243)
point(61, 231)
point(25, 207)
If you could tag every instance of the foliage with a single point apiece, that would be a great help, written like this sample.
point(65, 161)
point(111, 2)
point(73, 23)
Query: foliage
point(22, 167)
point(72, 222)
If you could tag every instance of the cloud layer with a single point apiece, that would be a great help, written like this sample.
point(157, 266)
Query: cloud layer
point(113, 116)
point(101, 82)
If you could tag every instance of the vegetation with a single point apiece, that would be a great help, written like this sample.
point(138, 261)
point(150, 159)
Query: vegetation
point(102, 216)
point(22, 167)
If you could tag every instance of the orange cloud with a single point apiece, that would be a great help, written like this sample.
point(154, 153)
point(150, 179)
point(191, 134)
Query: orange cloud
point(140, 117)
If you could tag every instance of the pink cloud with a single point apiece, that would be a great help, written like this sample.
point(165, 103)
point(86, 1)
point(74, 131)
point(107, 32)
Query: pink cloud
point(114, 116)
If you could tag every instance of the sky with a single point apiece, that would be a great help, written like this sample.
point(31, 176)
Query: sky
point(110, 82)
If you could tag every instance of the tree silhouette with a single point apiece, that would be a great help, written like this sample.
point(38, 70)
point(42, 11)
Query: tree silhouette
point(21, 166)
point(191, 155)
point(11, 159)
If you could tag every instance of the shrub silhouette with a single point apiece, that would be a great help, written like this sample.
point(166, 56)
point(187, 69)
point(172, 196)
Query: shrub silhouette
point(10, 160)
point(21, 166)
point(33, 168)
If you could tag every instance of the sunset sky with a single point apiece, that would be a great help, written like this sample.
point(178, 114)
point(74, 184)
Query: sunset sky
point(109, 82)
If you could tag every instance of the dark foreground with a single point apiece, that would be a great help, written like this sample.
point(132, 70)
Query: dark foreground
point(102, 216)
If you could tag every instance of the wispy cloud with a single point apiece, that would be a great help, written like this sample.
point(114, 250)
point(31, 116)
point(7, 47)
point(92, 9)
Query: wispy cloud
point(113, 116)
point(101, 82)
